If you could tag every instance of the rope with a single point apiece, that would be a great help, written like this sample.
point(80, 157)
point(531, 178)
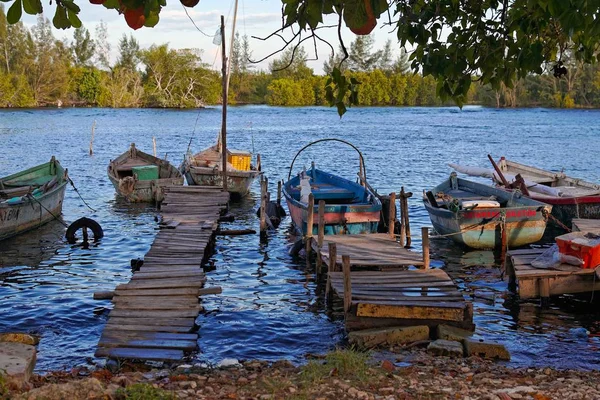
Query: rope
point(30, 196)
point(196, 26)
point(549, 216)
point(468, 228)
point(77, 191)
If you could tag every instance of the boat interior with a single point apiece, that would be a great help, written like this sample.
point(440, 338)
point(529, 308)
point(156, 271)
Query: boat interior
point(127, 167)
point(329, 188)
point(22, 184)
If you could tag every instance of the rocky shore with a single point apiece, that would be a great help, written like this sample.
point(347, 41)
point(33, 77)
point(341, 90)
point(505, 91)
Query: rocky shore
point(343, 374)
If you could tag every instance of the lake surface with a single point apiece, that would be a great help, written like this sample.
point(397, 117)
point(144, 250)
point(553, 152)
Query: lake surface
point(271, 307)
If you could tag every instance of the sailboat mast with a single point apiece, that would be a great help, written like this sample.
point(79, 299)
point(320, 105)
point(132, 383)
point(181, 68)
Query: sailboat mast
point(225, 79)
point(235, 9)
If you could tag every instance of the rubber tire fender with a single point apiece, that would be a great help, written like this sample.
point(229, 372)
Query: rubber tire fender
point(84, 223)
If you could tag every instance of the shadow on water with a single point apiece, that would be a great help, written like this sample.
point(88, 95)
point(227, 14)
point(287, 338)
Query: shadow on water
point(271, 307)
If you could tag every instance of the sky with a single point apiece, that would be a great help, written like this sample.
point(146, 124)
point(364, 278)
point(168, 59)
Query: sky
point(255, 18)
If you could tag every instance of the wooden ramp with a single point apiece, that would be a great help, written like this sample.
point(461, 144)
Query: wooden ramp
point(402, 298)
point(532, 282)
point(154, 314)
point(388, 294)
point(370, 250)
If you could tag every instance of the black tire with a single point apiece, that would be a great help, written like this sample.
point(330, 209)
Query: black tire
point(84, 223)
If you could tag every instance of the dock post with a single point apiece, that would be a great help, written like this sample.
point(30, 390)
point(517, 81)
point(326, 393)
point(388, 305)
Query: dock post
point(425, 235)
point(92, 139)
point(278, 193)
point(332, 268)
point(154, 145)
point(310, 222)
point(321, 233)
point(402, 223)
point(347, 283)
point(405, 217)
point(263, 205)
point(544, 291)
point(392, 214)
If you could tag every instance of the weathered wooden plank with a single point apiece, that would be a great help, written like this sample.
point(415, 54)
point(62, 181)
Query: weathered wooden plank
point(192, 312)
point(188, 322)
point(111, 333)
point(166, 268)
point(170, 274)
point(185, 345)
point(163, 283)
point(136, 304)
point(147, 328)
point(389, 299)
point(140, 354)
point(157, 292)
point(410, 312)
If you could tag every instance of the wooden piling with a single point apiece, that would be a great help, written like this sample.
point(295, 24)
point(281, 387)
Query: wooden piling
point(425, 236)
point(92, 139)
point(263, 205)
point(154, 146)
point(347, 283)
point(332, 268)
point(405, 217)
point(392, 214)
point(310, 222)
point(279, 193)
point(402, 223)
point(321, 234)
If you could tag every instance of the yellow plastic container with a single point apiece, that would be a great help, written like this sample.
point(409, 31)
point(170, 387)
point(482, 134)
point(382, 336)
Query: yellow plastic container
point(240, 159)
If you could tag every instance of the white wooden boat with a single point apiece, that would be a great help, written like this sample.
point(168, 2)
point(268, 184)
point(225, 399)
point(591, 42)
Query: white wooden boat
point(31, 198)
point(141, 177)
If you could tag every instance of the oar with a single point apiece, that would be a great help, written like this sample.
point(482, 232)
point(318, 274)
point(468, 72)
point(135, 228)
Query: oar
point(499, 172)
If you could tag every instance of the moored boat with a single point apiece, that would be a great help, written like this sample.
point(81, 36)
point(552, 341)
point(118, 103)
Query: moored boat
point(31, 198)
point(350, 208)
point(141, 177)
point(570, 197)
point(474, 214)
point(204, 168)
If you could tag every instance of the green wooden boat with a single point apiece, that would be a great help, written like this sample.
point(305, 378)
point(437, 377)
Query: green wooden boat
point(30, 198)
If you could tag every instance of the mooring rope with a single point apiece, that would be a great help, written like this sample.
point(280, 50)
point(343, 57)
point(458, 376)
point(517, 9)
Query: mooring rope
point(79, 194)
point(30, 196)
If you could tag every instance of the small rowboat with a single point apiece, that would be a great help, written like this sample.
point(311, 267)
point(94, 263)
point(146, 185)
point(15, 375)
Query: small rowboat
point(474, 214)
point(570, 197)
point(204, 169)
point(31, 198)
point(140, 177)
point(350, 208)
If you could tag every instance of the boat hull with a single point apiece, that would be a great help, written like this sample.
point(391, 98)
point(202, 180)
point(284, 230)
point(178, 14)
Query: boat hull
point(524, 226)
point(238, 182)
point(19, 218)
point(565, 209)
point(145, 191)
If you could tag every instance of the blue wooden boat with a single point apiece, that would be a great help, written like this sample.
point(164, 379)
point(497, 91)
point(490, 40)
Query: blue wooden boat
point(474, 214)
point(350, 208)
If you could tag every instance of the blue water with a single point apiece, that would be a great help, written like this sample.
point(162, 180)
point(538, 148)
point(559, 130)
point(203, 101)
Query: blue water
point(271, 306)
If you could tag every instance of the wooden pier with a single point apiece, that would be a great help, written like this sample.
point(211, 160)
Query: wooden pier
point(530, 282)
point(154, 314)
point(370, 273)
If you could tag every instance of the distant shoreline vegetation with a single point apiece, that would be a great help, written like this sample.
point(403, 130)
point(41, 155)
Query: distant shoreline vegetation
point(37, 70)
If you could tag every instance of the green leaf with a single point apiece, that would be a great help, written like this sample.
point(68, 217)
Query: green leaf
point(74, 19)
point(112, 4)
point(60, 20)
point(32, 7)
point(14, 12)
point(341, 108)
point(71, 6)
point(152, 19)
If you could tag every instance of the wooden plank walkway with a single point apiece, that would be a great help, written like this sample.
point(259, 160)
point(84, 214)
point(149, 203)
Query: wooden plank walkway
point(586, 225)
point(403, 298)
point(371, 250)
point(533, 282)
point(390, 295)
point(154, 314)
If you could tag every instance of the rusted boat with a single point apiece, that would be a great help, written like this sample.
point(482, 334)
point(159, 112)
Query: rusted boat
point(141, 177)
point(31, 198)
point(474, 214)
point(205, 169)
point(350, 208)
point(570, 197)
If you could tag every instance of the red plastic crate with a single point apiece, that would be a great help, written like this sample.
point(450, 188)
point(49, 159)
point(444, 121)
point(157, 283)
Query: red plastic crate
point(576, 244)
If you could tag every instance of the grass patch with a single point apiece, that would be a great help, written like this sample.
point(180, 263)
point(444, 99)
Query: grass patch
point(345, 364)
point(4, 392)
point(144, 391)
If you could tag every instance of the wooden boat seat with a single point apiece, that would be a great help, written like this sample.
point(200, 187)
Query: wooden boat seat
point(15, 192)
point(131, 164)
point(324, 191)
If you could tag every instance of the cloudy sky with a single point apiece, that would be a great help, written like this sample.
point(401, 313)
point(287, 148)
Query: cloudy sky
point(255, 18)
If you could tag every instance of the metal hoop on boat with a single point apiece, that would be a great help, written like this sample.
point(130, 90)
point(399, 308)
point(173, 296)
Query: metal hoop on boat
point(362, 159)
